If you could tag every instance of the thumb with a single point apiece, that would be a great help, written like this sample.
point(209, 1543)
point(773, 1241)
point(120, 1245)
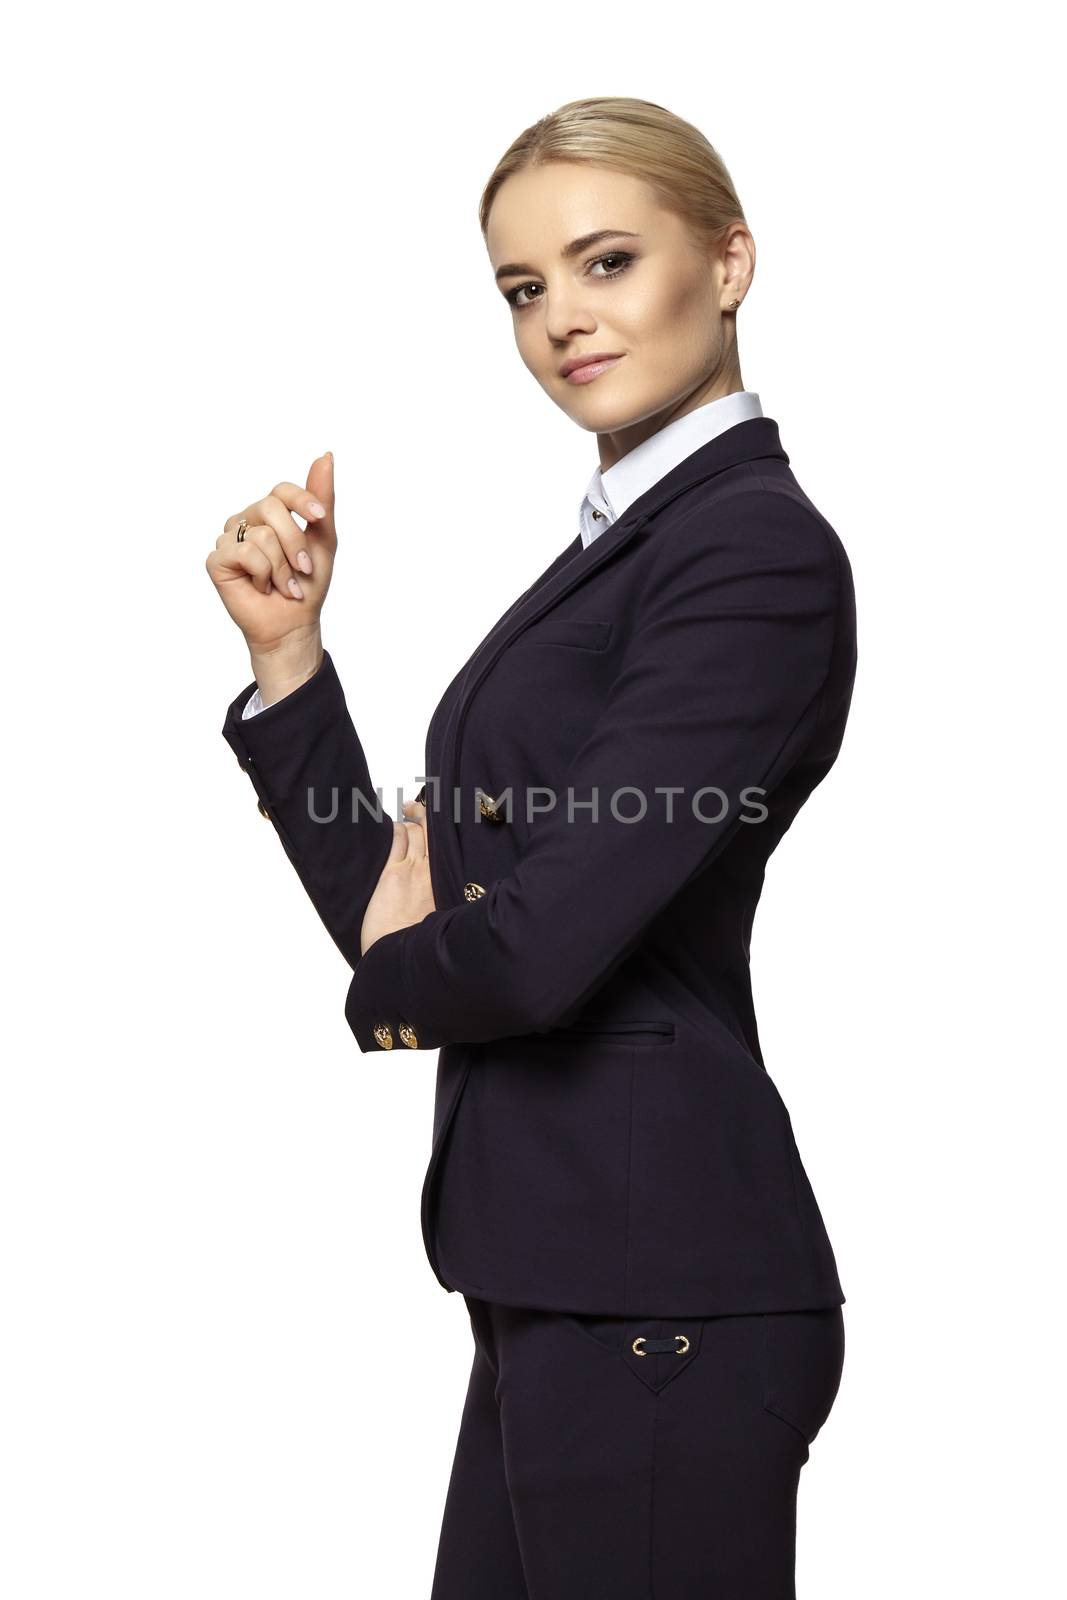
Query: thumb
point(399, 848)
point(320, 484)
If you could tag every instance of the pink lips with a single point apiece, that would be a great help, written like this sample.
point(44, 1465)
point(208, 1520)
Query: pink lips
point(591, 370)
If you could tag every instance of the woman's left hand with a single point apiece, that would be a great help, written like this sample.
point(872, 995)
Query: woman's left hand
point(403, 894)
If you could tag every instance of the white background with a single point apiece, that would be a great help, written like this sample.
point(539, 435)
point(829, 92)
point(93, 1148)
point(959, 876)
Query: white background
point(238, 236)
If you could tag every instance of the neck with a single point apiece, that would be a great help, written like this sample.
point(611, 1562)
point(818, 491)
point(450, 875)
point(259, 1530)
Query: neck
point(613, 446)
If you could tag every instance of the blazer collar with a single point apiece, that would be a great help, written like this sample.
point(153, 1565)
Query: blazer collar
point(615, 488)
point(745, 441)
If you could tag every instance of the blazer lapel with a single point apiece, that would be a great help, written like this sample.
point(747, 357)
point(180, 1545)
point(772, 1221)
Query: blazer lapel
point(745, 441)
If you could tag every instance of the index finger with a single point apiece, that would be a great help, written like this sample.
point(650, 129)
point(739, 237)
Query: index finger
point(302, 501)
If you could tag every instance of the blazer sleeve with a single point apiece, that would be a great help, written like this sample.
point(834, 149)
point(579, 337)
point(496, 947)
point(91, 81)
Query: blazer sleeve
point(721, 686)
point(308, 768)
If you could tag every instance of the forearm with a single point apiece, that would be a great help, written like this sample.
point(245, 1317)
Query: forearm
point(307, 765)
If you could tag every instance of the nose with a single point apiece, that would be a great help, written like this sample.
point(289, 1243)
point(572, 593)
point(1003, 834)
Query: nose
point(567, 311)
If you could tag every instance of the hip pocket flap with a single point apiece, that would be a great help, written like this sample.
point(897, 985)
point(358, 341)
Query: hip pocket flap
point(803, 1358)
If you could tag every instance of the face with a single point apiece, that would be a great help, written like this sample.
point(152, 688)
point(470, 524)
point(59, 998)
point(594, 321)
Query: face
point(641, 293)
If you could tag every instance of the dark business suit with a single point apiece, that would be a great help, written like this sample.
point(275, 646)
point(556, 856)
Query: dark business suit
point(606, 1141)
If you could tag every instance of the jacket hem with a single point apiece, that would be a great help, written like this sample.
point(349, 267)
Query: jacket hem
point(739, 1307)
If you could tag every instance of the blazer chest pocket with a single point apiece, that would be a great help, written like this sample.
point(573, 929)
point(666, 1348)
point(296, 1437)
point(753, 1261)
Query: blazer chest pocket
point(578, 633)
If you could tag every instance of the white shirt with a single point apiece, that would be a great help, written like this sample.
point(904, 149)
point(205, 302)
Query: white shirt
point(609, 494)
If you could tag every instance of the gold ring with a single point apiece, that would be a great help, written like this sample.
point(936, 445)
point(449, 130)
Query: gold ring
point(242, 528)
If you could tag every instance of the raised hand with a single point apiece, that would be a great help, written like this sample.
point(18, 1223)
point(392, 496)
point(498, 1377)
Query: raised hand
point(272, 576)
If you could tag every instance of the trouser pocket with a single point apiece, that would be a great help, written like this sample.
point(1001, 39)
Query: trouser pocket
point(803, 1357)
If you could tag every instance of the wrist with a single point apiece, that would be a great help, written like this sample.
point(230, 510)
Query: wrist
point(283, 667)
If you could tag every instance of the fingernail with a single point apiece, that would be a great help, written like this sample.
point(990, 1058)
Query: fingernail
point(295, 589)
point(315, 509)
point(303, 561)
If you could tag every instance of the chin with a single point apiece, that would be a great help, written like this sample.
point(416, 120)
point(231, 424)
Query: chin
point(613, 417)
point(600, 413)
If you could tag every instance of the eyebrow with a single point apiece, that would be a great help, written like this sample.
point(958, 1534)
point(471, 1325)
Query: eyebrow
point(515, 269)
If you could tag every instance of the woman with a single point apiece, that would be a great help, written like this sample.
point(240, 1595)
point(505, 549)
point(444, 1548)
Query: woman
point(566, 912)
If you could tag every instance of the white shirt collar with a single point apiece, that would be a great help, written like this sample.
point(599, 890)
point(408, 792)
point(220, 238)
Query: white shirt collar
point(610, 493)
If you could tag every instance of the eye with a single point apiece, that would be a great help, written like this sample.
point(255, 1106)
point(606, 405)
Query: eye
point(623, 257)
point(616, 255)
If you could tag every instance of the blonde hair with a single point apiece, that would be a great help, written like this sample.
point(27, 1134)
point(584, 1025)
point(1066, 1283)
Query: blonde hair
point(686, 173)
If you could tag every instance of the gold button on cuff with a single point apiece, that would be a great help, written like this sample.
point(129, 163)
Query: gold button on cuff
point(473, 891)
point(409, 1036)
point(263, 810)
point(384, 1035)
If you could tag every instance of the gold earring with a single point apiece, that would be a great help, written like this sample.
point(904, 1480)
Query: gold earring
point(733, 305)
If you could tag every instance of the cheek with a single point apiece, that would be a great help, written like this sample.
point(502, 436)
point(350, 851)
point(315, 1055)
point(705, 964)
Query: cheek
point(526, 347)
point(679, 333)
point(659, 298)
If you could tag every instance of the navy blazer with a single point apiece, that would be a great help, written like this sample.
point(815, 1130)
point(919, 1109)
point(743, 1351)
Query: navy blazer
point(606, 1137)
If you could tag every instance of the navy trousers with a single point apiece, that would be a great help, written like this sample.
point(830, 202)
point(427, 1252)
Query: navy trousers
point(615, 1458)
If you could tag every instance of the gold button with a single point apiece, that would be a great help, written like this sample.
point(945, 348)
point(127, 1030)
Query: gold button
point(263, 810)
point(597, 514)
point(487, 807)
point(384, 1035)
point(409, 1036)
point(473, 891)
